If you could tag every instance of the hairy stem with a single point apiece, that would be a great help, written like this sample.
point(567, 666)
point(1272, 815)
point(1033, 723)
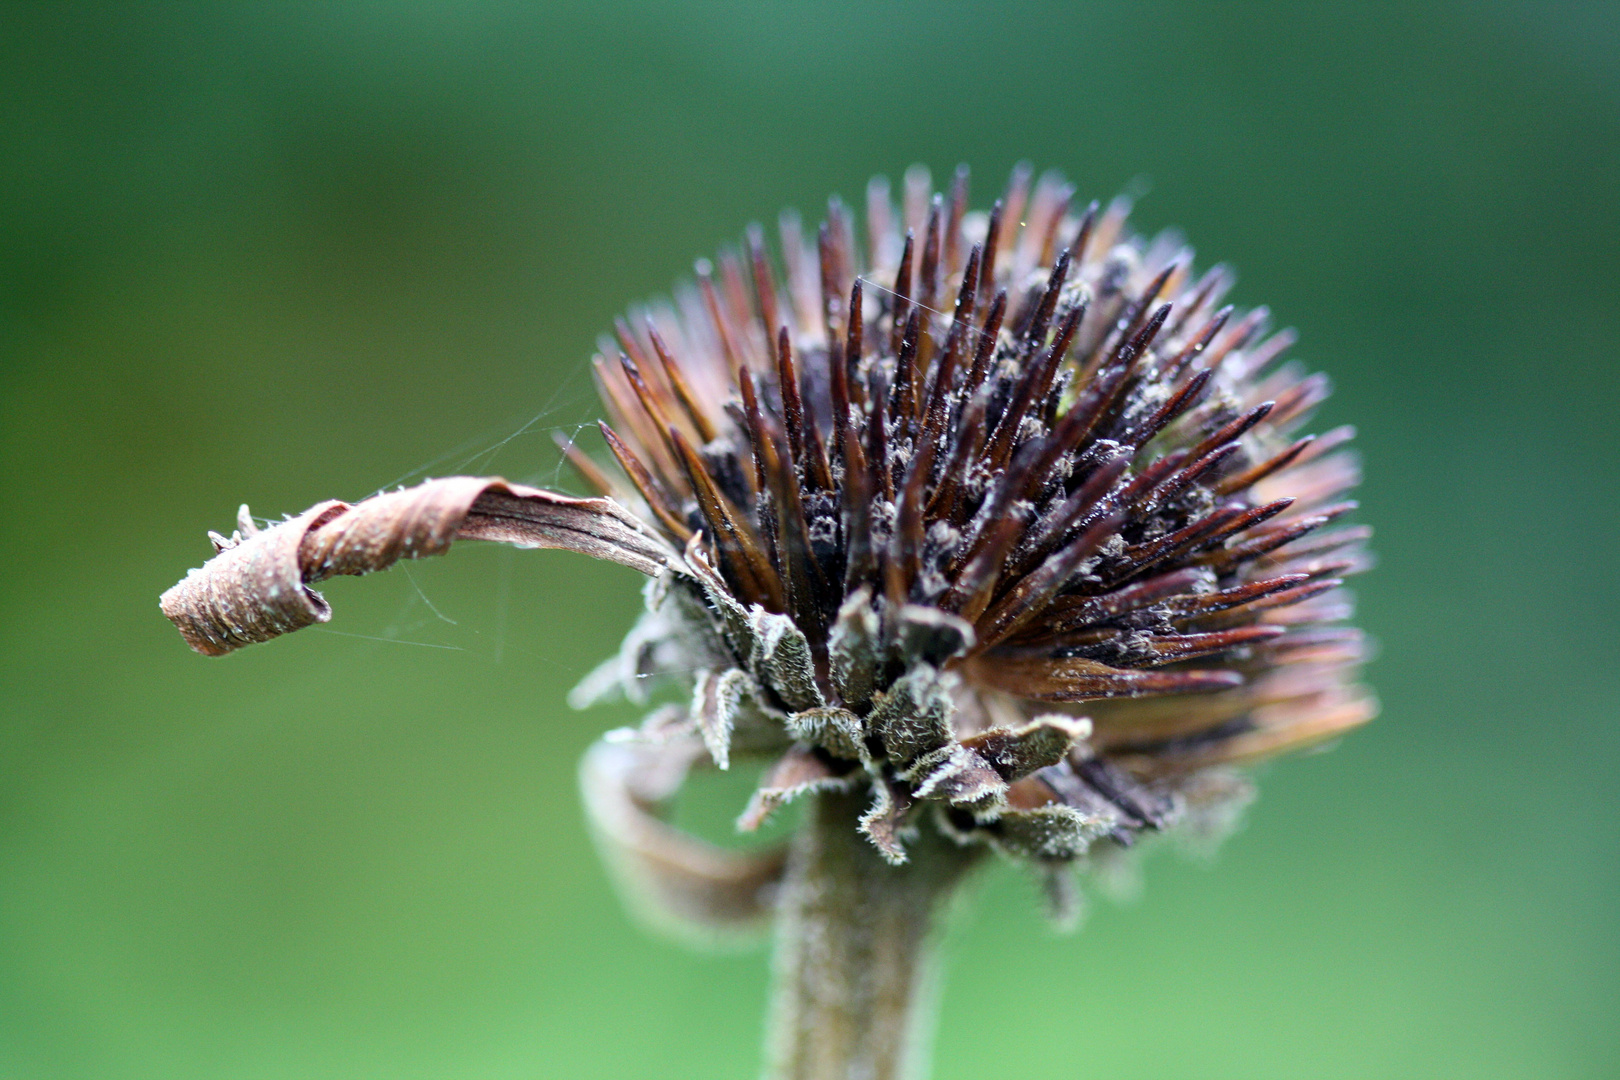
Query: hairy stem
point(854, 950)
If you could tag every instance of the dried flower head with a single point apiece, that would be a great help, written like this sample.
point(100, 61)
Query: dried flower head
point(1000, 519)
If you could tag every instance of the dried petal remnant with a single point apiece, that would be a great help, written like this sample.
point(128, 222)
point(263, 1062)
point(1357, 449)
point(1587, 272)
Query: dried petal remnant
point(258, 584)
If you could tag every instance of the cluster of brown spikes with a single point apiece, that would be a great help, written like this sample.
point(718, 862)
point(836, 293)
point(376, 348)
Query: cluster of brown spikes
point(1084, 458)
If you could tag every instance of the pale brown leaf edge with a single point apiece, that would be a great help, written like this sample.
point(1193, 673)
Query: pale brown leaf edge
point(258, 584)
point(679, 883)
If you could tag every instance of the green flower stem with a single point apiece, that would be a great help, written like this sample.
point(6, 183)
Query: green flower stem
point(854, 949)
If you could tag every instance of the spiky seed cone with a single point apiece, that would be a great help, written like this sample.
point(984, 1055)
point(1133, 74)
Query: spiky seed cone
point(947, 496)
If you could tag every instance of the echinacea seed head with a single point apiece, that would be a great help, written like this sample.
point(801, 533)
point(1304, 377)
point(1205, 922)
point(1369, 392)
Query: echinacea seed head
point(1003, 515)
point(1001, 520)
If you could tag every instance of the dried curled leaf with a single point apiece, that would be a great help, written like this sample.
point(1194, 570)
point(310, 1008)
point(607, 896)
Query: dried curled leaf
point(884, 822)
point(1055, 831)
point(730, 709)
point(781, 657)
point(957, 775)
point(913, 716)
point(854, 650)
point(800, 771)
point(675, 880)
point(1017, 752)
point(258, 584)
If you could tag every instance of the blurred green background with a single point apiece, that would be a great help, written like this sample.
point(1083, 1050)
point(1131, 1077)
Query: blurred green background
point(285, 252)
